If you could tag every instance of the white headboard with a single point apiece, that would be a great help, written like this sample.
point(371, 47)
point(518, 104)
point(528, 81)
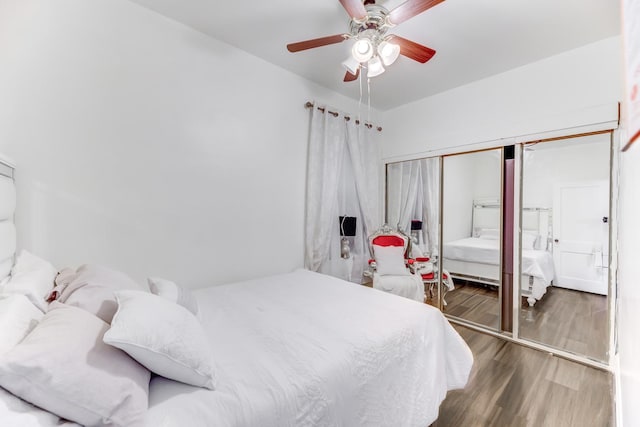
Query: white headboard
point(7, 227)
point(486, 214)
point(538, 220)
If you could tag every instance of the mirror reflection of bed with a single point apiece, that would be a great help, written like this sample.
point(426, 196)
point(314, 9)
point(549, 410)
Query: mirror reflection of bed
point(471, 235)
point(564, 260)
point(475, 260)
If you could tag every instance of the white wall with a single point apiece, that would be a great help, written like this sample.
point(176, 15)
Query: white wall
point(486, 174)
point(466, 178)
point(554, 93)
point(571, 160)
point(629, 285)
point(457, 179)
point(149, 147)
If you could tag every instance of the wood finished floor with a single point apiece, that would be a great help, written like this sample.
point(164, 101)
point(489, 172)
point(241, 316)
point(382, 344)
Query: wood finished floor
point(565, 319)
point(512, 386)
point(476, 303)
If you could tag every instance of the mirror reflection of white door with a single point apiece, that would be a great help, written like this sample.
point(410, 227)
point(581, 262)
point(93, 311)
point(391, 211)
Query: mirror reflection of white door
point(581, 235)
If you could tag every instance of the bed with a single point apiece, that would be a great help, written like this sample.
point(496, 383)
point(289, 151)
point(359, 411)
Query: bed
point(295, 349)
point(477, 258)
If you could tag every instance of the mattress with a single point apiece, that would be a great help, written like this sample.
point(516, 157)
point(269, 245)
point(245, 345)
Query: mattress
point(473, 249)
point(304, 349)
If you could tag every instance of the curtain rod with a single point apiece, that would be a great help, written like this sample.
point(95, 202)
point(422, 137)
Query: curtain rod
point(309, 104)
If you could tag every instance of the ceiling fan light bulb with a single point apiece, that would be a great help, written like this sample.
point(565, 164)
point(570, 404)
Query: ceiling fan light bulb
point(362, 50)
point(389, 52)
point(375, 67)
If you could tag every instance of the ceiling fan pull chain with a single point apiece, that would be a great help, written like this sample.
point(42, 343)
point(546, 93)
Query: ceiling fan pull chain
point(360, 98)
point(368, 100)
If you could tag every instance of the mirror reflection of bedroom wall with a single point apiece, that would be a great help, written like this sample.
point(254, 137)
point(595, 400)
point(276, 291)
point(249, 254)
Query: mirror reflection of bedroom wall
point(413, 207)
point(471, 236)
point(565, 244)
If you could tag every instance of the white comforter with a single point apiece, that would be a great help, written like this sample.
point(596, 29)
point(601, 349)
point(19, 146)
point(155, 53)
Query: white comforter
point(473, 249)
point(304, 349)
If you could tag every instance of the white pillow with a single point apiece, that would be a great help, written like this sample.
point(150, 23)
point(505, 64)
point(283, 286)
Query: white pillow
point(529, 240)
point(17, 412)
point(489, 233)
point(64, 367)
point(390, 260)
point(92, 289)
point(163, 336)
point(33, 277)
point(18, 316)
point(173, 292)
point(5, 270)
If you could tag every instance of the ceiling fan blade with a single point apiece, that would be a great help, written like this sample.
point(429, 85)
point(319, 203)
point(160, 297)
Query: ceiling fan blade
point(310, 44)
point(351, 77)
point(354, 8)
point(413, 50)
point(409, 9)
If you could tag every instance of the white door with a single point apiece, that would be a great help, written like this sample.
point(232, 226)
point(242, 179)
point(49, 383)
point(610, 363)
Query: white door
point(581, 235)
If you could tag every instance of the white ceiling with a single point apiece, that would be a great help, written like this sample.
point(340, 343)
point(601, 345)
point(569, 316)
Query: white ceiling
point(473, 39)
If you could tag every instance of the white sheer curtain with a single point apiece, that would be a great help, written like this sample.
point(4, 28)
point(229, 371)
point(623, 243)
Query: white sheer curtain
point(410, 185)
point(364, 153)
point(343, 179)
point(430, 174)
point(326, 154)
point(413, 194)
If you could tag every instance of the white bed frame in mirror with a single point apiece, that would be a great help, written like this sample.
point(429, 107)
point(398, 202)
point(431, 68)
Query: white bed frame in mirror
point(486, 215)
point(7, 209)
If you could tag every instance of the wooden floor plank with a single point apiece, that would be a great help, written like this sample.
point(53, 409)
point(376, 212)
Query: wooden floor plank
point(512, 385)
point(566, 319)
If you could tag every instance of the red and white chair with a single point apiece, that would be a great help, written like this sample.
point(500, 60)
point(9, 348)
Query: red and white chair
point(392, 270)
point(429, 273)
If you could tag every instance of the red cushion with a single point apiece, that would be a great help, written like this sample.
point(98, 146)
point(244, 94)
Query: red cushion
point(431, 276)
point(388, 241)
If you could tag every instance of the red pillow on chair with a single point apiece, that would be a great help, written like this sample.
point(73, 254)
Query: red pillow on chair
point(388, 241)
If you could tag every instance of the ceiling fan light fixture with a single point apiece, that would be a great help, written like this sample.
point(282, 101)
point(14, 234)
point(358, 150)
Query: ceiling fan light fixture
point(351, 65)
point(362, 50)
point(375, 67)
point(388, 52)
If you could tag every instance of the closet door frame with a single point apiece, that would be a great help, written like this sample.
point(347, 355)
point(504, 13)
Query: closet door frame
point(613, 255)
point(606, 126)
point(501, 302)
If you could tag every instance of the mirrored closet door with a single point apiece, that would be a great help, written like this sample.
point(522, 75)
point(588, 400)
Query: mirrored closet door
point(564, 237)
point(471, 236)
point(413, 207)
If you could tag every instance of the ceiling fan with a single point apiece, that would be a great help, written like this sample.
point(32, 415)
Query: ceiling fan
point(374, 48)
